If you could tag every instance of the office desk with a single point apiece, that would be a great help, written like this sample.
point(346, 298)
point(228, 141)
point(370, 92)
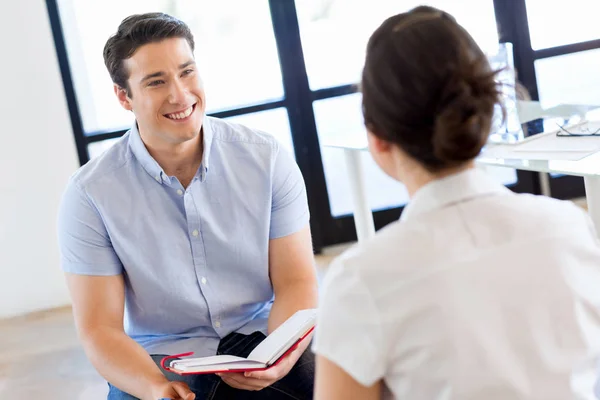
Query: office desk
point(354, 144)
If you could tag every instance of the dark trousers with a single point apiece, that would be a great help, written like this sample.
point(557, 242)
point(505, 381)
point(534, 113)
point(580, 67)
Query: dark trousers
point(297, 385)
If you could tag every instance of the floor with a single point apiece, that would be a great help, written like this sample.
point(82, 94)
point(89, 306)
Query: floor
point(40, 358)
point(40, 355)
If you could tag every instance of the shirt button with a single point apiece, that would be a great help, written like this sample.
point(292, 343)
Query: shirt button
point(195, 232)
point(180, 192)
point(203, 280)
point(218, 324)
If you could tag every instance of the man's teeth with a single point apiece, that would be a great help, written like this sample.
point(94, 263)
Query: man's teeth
point(181, 115)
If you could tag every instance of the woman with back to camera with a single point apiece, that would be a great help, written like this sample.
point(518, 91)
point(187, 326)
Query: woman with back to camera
point(477, 292)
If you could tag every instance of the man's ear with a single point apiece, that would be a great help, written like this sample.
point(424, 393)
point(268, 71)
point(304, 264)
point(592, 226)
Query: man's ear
point(123, 97)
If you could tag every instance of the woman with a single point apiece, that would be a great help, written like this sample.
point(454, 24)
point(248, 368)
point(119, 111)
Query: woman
point(477, 292)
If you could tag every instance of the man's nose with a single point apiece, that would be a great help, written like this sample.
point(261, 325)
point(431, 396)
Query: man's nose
point(178, 93)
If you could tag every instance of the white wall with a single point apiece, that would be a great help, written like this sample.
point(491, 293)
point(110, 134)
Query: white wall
point(37, 156)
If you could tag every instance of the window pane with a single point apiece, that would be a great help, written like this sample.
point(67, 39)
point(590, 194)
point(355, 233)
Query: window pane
point(274, 122)
point(581, 85)
point(338, 117)
point(335, 32)
point(341, 117)
point(97, 148)
point(556, 23)
point(235, 48)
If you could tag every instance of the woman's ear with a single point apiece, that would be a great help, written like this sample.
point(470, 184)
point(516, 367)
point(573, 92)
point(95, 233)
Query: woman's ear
point(383, 154)
point(378, 145)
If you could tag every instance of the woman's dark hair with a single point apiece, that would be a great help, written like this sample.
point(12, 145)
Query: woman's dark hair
point(428, 88)
point(136, 31)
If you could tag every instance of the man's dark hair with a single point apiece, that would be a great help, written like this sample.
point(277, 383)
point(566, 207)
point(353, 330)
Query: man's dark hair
point(428, 88)
point(136, 31)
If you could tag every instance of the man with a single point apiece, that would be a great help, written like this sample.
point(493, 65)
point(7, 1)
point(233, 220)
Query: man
point(189, 234)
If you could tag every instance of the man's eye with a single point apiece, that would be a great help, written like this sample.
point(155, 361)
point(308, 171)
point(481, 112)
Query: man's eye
point(155, 83)
point(188, 71)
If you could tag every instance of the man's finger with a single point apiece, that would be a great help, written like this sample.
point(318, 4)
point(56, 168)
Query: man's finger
point(274, 373)
point(237, 385)
point(240, 382)
point(183, 391)
point(271, 374)
point(249, 384)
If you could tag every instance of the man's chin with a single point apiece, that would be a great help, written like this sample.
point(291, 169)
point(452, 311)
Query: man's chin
point(188, 135)
point(183, 133)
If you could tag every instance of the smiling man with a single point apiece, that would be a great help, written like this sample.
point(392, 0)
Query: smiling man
point(189, 234)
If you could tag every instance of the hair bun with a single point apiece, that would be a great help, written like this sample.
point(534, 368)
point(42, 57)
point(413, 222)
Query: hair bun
point(463, 122)
point(428, 88)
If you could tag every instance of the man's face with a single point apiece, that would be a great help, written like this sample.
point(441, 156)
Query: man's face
point(166, 93)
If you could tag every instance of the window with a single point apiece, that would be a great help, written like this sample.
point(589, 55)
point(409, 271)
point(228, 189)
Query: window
point(342, 116)
point(287, 67)
point(274, 122)
point(95, 149)
point(235, 50)
point(558, 23)
point(580, 86)
point(335, 32)
point(346, 25)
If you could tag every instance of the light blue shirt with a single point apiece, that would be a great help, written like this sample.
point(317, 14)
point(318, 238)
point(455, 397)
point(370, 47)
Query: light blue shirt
point(195, 260)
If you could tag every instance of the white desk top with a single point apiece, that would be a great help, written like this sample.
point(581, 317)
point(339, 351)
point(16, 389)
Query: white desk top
point(587, 166)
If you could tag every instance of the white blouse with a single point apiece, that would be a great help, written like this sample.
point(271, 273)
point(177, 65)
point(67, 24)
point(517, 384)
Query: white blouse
point(476, 293)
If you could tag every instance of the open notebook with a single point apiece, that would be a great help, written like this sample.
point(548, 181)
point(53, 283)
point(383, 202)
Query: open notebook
point(278, 344)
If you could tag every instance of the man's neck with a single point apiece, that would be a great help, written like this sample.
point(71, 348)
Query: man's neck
point(181, 160)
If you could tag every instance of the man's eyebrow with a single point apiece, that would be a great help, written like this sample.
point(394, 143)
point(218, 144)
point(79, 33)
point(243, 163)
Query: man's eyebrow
point(160, 73)
point(187, 64)
point(153, 75)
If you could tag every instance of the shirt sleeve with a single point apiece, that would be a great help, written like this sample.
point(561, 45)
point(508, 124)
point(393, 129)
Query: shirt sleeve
point(84, 243)
point(289, 207)
point(348, 329)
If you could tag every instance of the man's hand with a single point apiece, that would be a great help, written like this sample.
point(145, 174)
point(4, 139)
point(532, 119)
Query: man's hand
point(174, 391)
point(258, 380)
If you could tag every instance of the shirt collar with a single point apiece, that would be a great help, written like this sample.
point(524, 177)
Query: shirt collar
point(207, 138)
point(145, 159)
point(452, 189)
point(153, 168)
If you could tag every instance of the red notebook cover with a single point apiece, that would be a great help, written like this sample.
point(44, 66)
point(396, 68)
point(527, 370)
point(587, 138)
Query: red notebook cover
point(163, 362)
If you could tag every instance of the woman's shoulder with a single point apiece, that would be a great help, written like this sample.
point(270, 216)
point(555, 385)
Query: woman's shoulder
point(397, 249)
point(529, 209)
